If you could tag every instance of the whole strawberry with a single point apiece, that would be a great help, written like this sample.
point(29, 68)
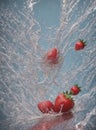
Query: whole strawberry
point(75, 90)
point(80, 45)
point(63, 103)
point(52, 56)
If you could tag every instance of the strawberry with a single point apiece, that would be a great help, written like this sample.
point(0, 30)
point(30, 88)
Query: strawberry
point(80, 45)
point(63, 103)
point(45, 106)
point(75, 90)
point(52, 55)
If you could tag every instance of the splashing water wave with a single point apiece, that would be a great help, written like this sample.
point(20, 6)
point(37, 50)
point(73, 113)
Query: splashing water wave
point(24, 77)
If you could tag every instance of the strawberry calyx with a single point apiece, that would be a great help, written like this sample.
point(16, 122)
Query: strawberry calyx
point(78, 86)
point(84, 42)
point(71, 93)
point(68, 95)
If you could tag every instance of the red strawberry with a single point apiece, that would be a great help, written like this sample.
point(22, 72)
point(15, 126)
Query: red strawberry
point(45, 106)
point(75, 90)
point(52, 55)
point(80, 45)
point(63, 103)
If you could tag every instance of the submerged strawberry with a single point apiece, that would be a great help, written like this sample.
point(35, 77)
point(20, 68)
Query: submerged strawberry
point(80, 45)
point(52, 56)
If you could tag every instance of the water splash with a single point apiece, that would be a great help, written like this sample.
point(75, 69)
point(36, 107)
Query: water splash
point(24, 77)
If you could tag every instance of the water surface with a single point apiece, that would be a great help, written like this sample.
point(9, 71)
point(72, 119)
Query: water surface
point(27, 30)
